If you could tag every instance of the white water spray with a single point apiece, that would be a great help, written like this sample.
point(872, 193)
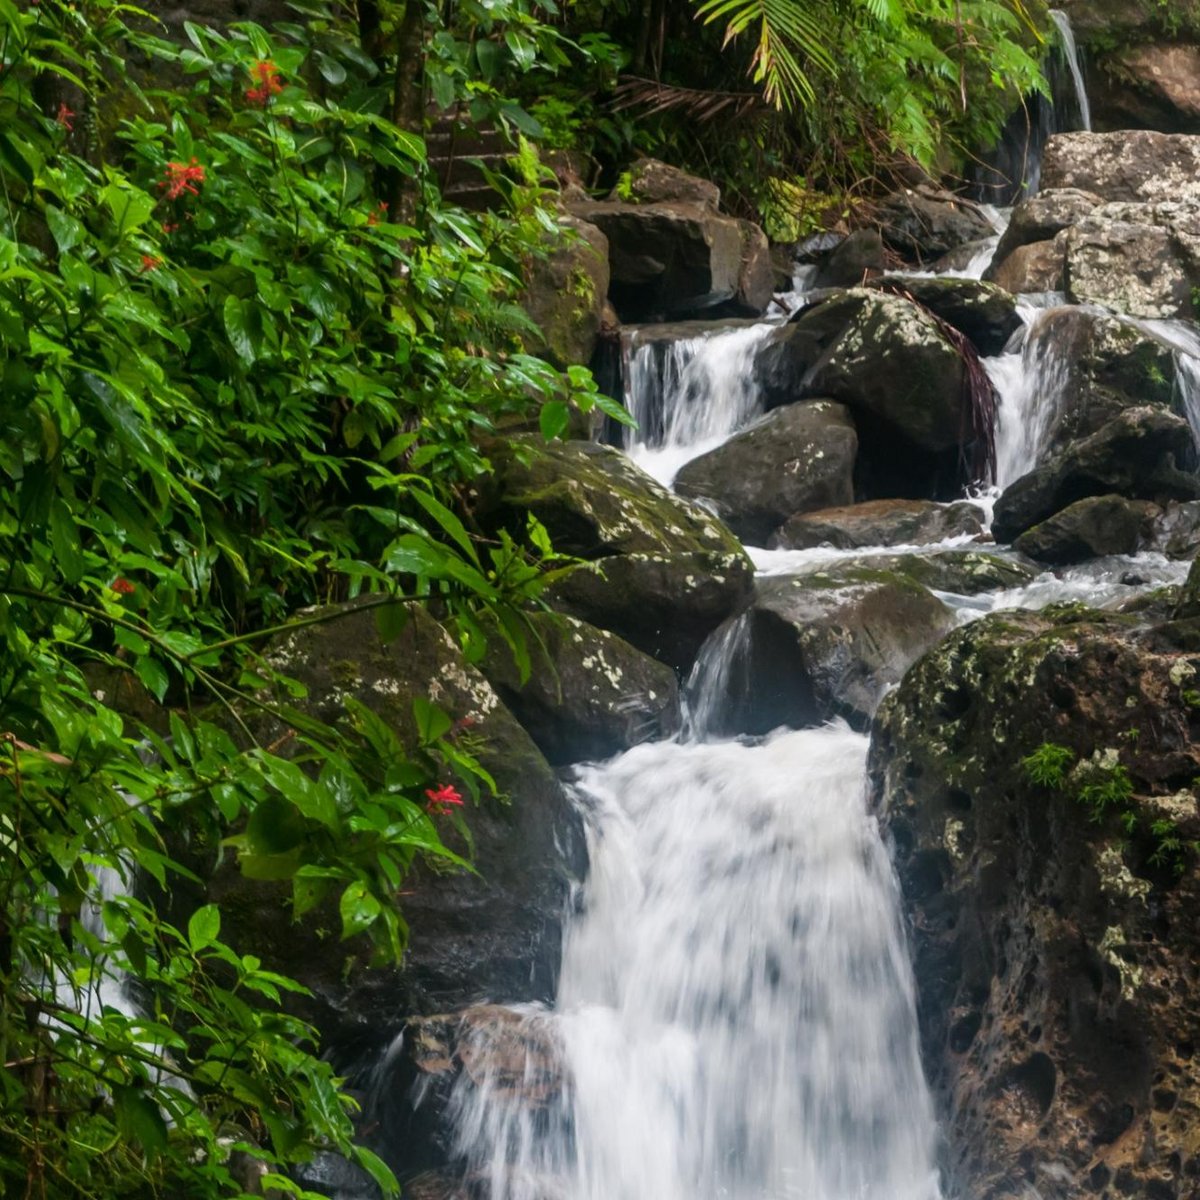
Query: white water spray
point(1071, 52)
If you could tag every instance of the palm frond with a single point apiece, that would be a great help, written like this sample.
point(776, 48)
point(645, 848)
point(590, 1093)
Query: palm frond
point(700, 104)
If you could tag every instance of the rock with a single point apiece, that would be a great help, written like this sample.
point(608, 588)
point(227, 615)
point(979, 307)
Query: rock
point(859, 257)
point(1134, 455)
point(1141, 259)
point(1036, 267)
point(827, 643)
point(1087, 529)
point(879, 523)
point(1093, 367)
point(1188, 606)
point(961, 258)
point(888, 362)
point(1149, 86)
point(987, 314)
point(1050, 941)
point(796, 458)
point(924, 222)
point(495, 933)
point(589, 694)
point(1176, 532)
point(960, 572)
point(565, 295)
point(676, 258)
point(1131, 165)
point(664, 573)
point(1041, 218)
point(650, 181)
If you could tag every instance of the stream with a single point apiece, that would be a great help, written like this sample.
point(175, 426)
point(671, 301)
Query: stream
point(736, 1009)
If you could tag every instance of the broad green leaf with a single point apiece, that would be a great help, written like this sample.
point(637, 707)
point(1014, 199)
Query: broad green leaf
point(203, 927)
point(432, 723)
point(358, 909)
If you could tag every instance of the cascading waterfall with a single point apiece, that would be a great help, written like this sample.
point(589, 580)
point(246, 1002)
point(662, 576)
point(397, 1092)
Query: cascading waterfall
point(1184, 340)
point(1071, 53)
point(736, 1009)
point(689, 394)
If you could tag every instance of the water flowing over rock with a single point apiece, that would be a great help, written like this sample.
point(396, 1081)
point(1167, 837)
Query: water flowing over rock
point(794, 459)
point(879, 523)
point(1135, 455)
point(473, 934)
point(664, 573)
point(589, 694)
point(1053, 926)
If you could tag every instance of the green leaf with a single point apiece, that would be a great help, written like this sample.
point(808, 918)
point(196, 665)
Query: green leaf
point(554, 419)
point(152, 674)
point(358, 909)
point(449, 522)
point(64, 538)
point(390, 620)
point(139, 1120)
point(66, 231)
point(432, 723)
point(378, 1170)
point(243, 327)
point(203, 927)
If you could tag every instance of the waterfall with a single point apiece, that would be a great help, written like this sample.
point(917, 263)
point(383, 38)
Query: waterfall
point(1184, 340)
point(736, 1010)
point(689, 394)
point(1071, 53)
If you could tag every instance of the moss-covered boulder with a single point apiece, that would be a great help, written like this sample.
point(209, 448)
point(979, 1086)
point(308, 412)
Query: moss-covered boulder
point(1088, 529)
point(962, 572)
point(986, 313)
point(589, 694)
point(879, 523)
point(565, 293)
point(663, 574)
point(1036, 774)
point(1137, 454)
point(826, 644)
point(794, 459)
point(491, 934)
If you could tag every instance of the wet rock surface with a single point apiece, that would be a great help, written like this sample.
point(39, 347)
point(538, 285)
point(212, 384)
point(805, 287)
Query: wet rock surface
point(1135, 455)
point(589, 694)
point(1087, 529)
point(1130, 165)
point(798, 457)
point(1053, 921)
point(828, 643)
point(879, 523)
point(663, 573)
point(925, 222)
point(986, 313)
point(473, 935)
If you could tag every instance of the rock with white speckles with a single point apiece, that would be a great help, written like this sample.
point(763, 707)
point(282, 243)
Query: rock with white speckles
point(1126, 165)
point(797, 458)
point(664, 572)
point(880, 523)
point(1051, 937)
point(495, 933)
point(589, 694)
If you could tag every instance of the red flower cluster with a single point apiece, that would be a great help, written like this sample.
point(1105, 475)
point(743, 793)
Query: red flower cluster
point(442, 800)
point(182, 178)
point(150, 262)
point(64, 117)
point(379, 213)
point(266, 73)
point(122, 586)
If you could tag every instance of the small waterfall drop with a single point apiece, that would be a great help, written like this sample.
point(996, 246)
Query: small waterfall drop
point(1071, 53)
point(736, 1011)
point(689, 394)
point(1183, 337)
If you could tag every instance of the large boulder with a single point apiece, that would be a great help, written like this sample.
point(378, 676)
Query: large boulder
point(860, 257)
point(565, 293)
point(1141, 259)
point(1040, 218)
point(879, 523)
point(987, 314)
point(588, 695)
point(961, 572)
point(796, 458)
point(494, 933)
point(890, 363)
point(1152, 85)
point(924, 222)
point(824, 644)
point(663, 573)
point(1087, 529)
point(651, 181)
point(1130, 165)
point(1137, 455)
point(1051, 896)
point(1035, 267)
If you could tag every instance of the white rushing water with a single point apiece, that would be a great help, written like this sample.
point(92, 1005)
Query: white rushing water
point(1071, 52)
point(736, 1009)
point(690, 394)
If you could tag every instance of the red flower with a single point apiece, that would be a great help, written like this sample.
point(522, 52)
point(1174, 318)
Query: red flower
point(64, 117)
point(381, 211)
point(182, 178)
point(267, 75)
point(150, 263)
point(122, 586)
point(170, 226)
point(442, 799)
